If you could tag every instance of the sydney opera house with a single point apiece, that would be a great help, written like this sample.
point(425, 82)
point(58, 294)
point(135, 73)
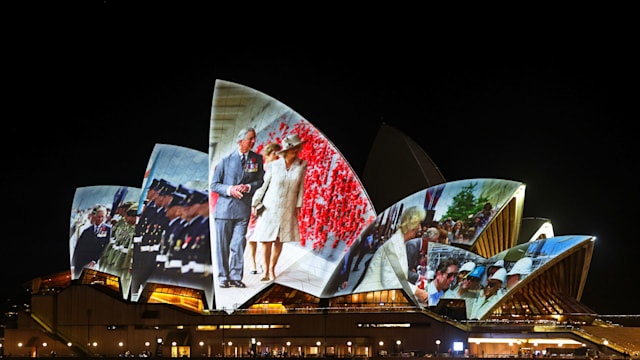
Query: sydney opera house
point(270, 245)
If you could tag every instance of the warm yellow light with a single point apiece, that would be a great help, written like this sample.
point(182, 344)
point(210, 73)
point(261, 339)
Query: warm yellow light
point(288, 343)
point(173, 343)
point(69, 344)
point(146, 343)
point(318, 343)
point(94, 344)
point(381, 343)
point(44, 344)
point(19, 344)
point(206, 327)
point(514, 340)
point(398, 342)
point(349, 343)
point(201, 343)
point(229, 343)
point(121, 344)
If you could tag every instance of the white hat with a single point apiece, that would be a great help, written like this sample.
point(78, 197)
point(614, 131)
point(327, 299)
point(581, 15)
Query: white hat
point(500, 274)
point(290, 142)
point(522, 266)
point(468, 266)
point(499, 263)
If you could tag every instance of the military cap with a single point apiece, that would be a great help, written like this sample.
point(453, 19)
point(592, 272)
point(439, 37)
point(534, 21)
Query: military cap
point(167, 189)
point(177, 199)
point(132, 210)
point(197, 197)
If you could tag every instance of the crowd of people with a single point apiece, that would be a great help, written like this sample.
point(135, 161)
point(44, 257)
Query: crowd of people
point(481, 286)
point(395, 249)
point(167, 240)
point(171, 238)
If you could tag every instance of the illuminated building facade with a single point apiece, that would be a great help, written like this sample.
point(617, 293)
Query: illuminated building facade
point(439, 267)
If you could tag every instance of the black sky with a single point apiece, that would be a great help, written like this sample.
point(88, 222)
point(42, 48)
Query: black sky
point(91, 96)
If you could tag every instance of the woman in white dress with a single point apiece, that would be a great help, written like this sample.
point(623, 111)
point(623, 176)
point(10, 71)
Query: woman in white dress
point(281, 195)
point(269, 154)
point(389, 266)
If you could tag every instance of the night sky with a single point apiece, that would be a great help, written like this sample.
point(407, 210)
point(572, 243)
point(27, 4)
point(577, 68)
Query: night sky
point(90, 96)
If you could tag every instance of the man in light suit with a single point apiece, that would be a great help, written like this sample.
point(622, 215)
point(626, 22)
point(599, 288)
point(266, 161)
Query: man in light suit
point(235, 179)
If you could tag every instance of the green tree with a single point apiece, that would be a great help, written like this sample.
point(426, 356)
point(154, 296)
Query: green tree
point(465, 204)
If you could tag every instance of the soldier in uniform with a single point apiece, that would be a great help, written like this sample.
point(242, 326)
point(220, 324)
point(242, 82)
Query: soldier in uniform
point(165, 267)
point(148, 241)
point(124, 248)
point(149, 206)
point(91, 243)
point(197, 254)
point(106, 261)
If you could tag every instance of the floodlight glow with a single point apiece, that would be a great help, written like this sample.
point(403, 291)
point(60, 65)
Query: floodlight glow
point(514, 340)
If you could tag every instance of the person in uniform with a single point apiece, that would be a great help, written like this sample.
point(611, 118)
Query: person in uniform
point(148, 242)
point(196, 250)
point(91, 243)
point(123, 247)
point(110, 253)
point(235, 180)
point(166, 270)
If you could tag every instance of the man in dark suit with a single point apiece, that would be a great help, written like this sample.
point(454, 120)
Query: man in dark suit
point(235, 179)
point(92, 242)
point(416, 249)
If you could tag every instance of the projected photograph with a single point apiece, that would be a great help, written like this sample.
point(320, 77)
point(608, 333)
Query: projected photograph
point(482, 283)
point(171, 237)
point(388, 254)
point(464, 208)
point(286, 203)
point(101, 228)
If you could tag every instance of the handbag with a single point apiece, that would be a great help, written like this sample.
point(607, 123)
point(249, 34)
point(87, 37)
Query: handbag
point(259, 209)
